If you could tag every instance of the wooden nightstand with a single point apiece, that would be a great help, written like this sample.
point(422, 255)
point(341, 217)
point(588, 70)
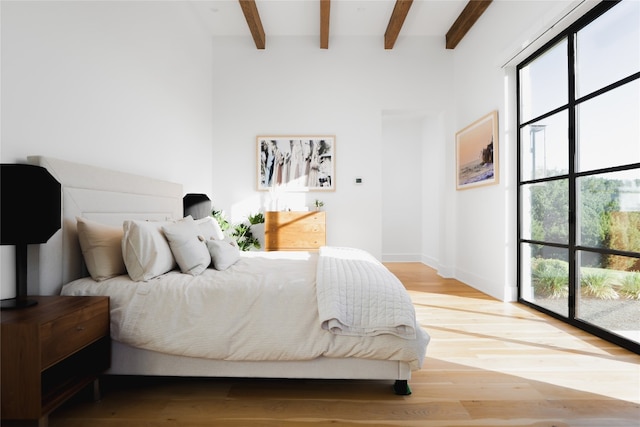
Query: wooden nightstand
point(294, 231)
point(50, 352)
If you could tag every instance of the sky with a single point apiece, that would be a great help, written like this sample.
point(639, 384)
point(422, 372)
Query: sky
point(608, 125)
point(472, 139)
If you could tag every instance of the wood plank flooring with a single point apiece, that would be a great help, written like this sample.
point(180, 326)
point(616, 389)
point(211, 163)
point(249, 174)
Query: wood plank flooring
point(489, 364)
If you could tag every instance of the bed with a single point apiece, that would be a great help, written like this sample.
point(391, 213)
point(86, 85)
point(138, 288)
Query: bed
point(333, 314)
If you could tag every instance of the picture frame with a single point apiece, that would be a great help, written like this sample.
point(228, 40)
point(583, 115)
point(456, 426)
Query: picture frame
point(296, 162)
point(477, 153)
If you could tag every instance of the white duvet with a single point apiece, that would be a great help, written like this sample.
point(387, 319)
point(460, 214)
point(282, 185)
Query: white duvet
point(264, 307)
point(359, 296)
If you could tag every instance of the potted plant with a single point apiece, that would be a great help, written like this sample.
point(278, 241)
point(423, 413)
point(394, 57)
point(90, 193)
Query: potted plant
point(243, 233)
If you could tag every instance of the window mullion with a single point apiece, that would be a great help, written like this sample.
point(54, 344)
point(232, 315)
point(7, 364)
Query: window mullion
point(574, 262)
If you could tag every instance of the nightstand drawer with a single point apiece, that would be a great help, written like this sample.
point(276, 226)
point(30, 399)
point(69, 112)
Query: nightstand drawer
point(69, 333)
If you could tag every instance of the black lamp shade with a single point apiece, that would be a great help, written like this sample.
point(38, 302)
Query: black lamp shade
point(197, 205)
point(30, 209)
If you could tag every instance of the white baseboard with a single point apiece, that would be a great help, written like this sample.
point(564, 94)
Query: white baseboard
point(503, 293)
point(401, 258)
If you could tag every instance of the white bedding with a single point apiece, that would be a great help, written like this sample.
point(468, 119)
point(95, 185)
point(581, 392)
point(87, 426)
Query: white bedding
point(359, 296)
point(264, 307)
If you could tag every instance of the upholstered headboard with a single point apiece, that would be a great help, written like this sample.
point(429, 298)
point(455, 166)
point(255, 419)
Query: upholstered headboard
point(101, 195)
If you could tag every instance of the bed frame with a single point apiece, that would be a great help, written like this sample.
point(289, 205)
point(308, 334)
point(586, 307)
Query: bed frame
point(110, 197)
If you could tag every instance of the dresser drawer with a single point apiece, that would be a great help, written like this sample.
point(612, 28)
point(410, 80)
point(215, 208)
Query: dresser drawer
point(301, 241)
point(73, 331)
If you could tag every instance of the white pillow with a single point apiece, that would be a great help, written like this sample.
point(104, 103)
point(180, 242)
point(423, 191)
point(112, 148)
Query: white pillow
point(187, 245)
point(145, 250)
point(101, 249)
point(210, 228)
point(223, 253)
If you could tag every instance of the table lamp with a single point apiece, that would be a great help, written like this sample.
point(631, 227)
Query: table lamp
point(197, 205)
point(29, 214)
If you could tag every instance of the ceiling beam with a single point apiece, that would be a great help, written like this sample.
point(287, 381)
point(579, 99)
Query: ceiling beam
point(400, 11)
point(252, 16)
point(470, 14)
point(325, 9)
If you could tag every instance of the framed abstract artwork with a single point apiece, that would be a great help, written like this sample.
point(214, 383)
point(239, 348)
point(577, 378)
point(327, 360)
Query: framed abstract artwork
point(296, 162)
point(477, 153)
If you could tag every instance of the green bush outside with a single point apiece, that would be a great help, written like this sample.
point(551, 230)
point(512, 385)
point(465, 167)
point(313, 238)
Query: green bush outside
point(550, 279)
point(602, 223)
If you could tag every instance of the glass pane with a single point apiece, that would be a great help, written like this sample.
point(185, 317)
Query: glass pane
point(545, 211)
point(609, 211)
point(545, 277)
point(544, 83)
point(544, 148)
point(609, 129)
point(612, 39)
point(609, 294)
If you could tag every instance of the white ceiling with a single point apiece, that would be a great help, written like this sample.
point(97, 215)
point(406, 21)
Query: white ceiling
point(348, 17)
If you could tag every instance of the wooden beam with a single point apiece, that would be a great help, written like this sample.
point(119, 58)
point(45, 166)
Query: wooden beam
point(252, 16)
point(325, 8)
point(400, 11)
point(470, 14)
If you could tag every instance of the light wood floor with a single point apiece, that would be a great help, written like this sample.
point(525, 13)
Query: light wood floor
point(489, 364)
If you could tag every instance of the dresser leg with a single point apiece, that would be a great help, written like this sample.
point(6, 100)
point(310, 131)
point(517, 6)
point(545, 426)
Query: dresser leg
point(96, 390)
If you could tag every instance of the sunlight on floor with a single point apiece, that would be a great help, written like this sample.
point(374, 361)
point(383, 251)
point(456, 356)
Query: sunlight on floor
point(509, 338)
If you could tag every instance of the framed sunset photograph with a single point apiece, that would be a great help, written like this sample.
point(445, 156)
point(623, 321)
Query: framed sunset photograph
point(477, 153)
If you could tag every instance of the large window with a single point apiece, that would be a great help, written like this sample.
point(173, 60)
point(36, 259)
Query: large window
point(579, 175)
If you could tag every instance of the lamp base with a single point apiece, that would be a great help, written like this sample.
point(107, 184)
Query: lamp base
point(17, 303)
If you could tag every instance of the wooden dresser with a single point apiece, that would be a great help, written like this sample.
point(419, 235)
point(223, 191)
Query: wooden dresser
point(294, 231)
point(51, 351)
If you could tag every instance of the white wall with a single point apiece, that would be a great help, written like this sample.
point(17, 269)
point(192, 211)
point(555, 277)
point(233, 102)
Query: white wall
point(140, 87)
point(484, 80)
point(402, 182)
point(435, 231)
point(293, 87)
point(412, 186)
point(122, 85)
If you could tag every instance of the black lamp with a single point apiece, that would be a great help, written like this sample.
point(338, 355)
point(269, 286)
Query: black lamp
point(29, 213)
point(197, 205)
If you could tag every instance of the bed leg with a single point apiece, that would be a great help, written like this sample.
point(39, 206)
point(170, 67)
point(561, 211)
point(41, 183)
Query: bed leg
point(401, 388)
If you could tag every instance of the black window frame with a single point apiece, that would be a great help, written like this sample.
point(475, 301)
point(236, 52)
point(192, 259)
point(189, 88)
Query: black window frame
point(572, 176)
